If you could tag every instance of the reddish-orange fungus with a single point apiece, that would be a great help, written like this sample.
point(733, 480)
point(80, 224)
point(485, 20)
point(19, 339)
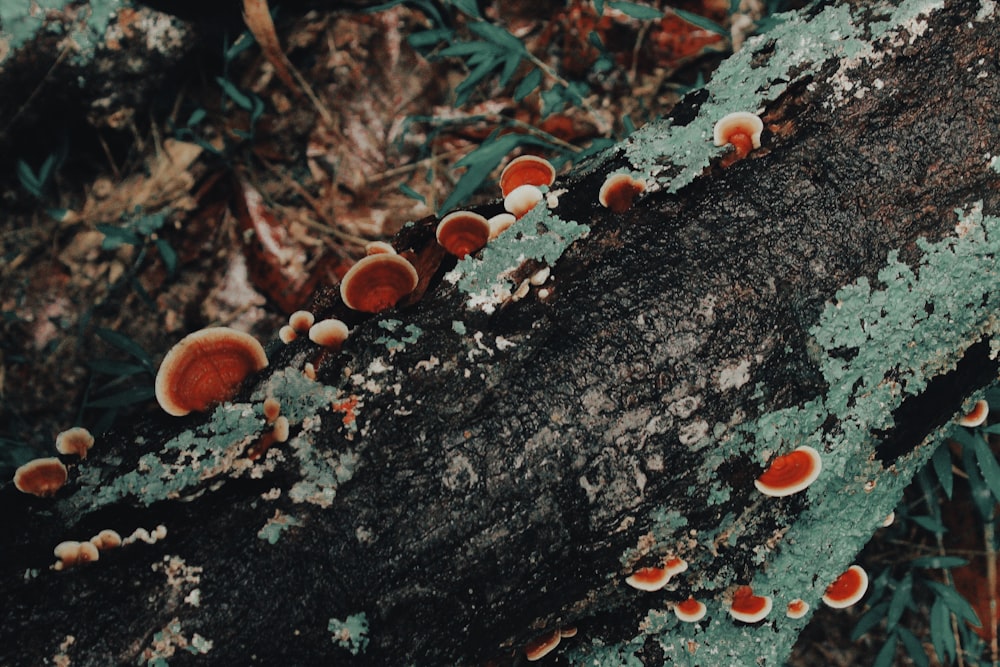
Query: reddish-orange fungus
point(521, 200)
point(301, 320)
point(648, 579)
point(977, 416)
point(797, 608)
point(790, 473)
point(76, 441)
point(526, 170)
point(748, 607)
point(847, 589)
point(462, 233)
point(540, 647)
point(206, 368)
point(741, 129)
point(619, 191)
point(41, 477)
point(329, 333)
point(690, 611)
point(377, 282)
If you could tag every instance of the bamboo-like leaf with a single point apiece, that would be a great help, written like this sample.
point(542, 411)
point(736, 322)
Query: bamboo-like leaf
point(635, 10)
point(123, 398)
point(939, 562)
point(955, 602)
point(530, 81)
point(913, 647)
point(900, 598)
point(702, 22)
point(941, 461)
point(988, 465)
point(887, 653)
point(941, 635)
point(869, 620)
point(125, 344)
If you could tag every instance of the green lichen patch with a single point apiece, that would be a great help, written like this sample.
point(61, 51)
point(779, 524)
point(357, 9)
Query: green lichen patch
point(540, 235)
point(675, 155)
point(411, 334)
point(276, 525)
point(927, 314)
point(351, 633)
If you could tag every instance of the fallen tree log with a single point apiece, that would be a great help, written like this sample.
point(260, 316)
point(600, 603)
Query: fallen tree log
point(482, 466)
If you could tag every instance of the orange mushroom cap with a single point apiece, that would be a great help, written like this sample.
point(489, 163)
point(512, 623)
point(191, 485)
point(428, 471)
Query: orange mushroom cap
point(522, 199)
point(742, 129)
point(379, 248)
point(377, 282)
point(675, 565)
point(847, 589)
point(329, 333)
point(748, 607)
point(106, 539)
point(41, 477)
point(272, 408)
point(301, 320)
point(619, 191)
point(540, 647)
point(500, 223)
point(526, 170)
point(205, 368)
point(690, 611)
point(797, 608)
point(790, 473)
point(977, 416)
point(648, 578)
point(462, 233)
point(75, 441)
point(286, 334)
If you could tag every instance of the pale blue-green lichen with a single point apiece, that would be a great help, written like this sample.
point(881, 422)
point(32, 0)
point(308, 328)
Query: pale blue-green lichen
point(676, 155)
point(458, 327)
point(276, 525)
point(22, 20)
point(957, 277)
point(540, 235)
point(351, 633)
point(398, 342)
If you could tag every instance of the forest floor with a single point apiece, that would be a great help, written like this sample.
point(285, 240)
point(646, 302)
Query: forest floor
point(256, 180)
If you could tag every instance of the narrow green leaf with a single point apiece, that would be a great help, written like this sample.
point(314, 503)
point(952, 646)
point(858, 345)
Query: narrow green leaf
point(599, 7)
point(411, 193)
point(927, 523)
point(887, 653)
point(636, 11)
point(980, 492)
point(702, 22)
point(28, 179)
point(913, 647)
point(939, 562)
point(988, 465)
point(869, 620)
point(464, 89)
point(497, 35)
point(955, 602)
point(196, 117)
point(530, 81)
point(941, 635)
point(125, 344)
point(235, 94)
point(460, 49)
point(942, 468)
point(627, 125)
point(900, 597)
point(430, 37)
point(168, 255)
point(116, 237)
point(467, 7)
point(119, 368)
point(509, 68)
point(123, 398)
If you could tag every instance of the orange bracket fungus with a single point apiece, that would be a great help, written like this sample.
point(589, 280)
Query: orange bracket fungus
point(41, 477)
point(619, 191)
point(690, 611)
point(748, 607)
point(377, 282)
point(272, 408)
point(286, 334)
point(741, 129)
point(675, 565)
point(301, 320)
point(797, 608)
point(72, 553)
point(526, 170)
point(106, 539)
point(462, 233)
point(500, 223)
point(329, 333)
point(848, 588)
point(790, 473)
point(205, 368)
point(379, 248)
point(522, 199)
point(649, 578)
point(540, 647)
point(977, 416)
point(76, 441)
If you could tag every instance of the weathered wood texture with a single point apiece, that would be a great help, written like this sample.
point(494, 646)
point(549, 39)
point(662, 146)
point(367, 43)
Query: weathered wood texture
point(466, 477)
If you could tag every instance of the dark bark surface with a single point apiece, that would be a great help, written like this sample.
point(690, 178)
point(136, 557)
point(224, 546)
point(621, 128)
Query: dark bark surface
point(485, 476)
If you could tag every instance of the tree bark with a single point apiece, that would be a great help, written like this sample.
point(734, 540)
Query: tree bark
point(474, 469)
